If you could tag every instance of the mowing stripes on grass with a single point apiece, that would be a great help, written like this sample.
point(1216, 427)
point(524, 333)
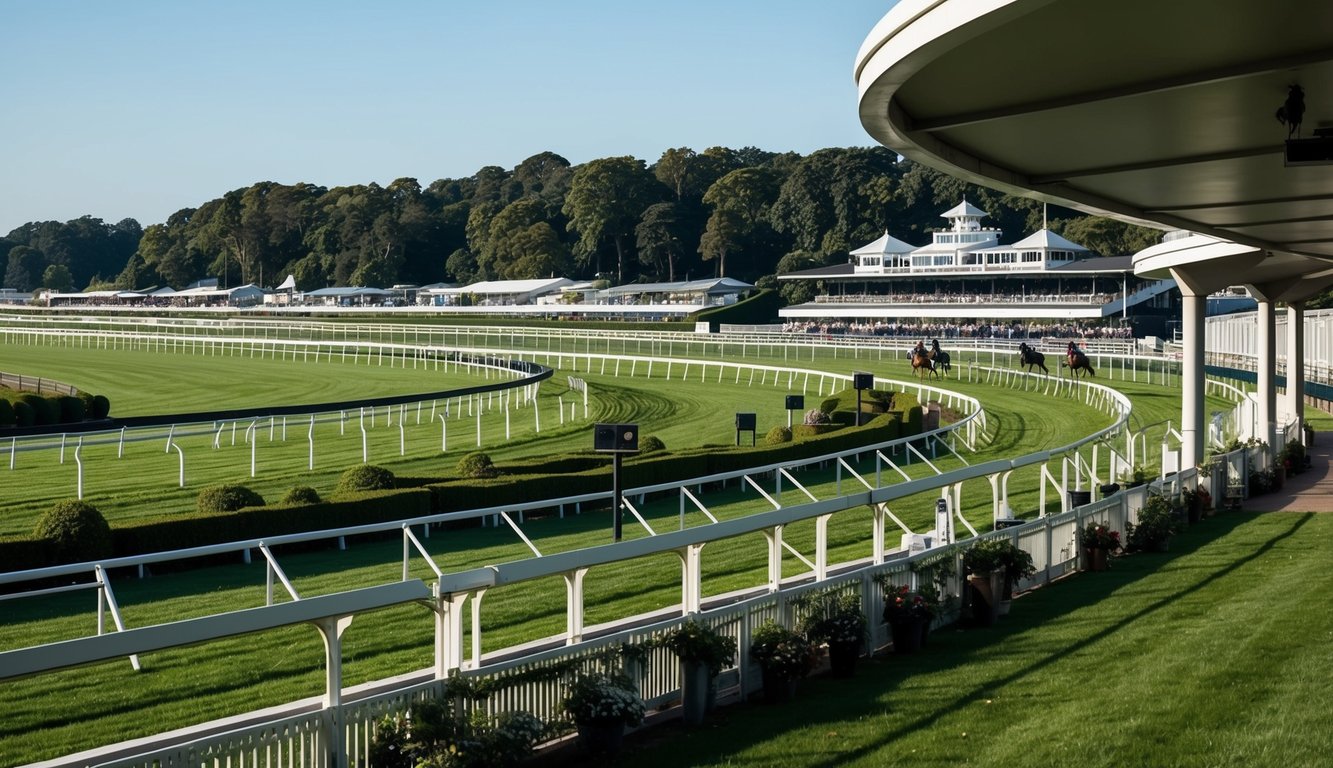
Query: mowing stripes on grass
point(1215, 654)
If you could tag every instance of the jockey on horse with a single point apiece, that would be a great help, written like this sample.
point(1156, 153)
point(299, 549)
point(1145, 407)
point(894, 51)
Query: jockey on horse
point(1075, 358)
point(940, 357)
point(921, 362)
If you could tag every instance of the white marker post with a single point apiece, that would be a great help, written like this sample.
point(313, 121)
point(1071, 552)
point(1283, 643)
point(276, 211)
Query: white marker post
point(311, 437)
point(444, 434)
point(79, 461)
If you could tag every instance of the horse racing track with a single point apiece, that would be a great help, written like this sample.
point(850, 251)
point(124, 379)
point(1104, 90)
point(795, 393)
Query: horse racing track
point(826, 519)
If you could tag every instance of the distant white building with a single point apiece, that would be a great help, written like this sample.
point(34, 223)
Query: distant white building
point(498, 293)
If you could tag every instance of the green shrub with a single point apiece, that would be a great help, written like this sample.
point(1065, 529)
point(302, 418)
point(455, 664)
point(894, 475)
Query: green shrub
point(301, 494)
point(778, 435)
point(651, 444)
point(829, 405)
point(76, 531)
point(71, 409)
point(365, 477)
point(44, 411)
point(101, 407)
point(24, 415)
point(807, 431)
point(477, 464)
point(227, 498)
point(6, 412)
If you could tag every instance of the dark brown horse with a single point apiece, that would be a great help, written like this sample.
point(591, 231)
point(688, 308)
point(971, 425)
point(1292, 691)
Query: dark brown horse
point(1030, 357)
point(922, 364)
point(1076, 360)
point(939, 357)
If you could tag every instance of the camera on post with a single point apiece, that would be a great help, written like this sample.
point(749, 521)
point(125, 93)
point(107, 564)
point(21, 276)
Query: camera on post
point(616, 438)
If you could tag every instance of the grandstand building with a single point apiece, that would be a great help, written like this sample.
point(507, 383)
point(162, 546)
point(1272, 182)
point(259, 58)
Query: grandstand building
point(965, 275)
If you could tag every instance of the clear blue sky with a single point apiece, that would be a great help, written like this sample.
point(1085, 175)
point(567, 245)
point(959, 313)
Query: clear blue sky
point(139, 108)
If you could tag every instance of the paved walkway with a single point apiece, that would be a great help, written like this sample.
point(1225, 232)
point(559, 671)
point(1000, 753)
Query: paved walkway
point(1310, 491)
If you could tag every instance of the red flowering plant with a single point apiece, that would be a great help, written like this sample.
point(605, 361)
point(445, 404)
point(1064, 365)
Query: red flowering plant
point(1098, 535)
point(902, 605)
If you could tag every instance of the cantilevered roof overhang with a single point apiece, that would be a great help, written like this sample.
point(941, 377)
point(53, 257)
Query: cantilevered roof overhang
point(1158, 113)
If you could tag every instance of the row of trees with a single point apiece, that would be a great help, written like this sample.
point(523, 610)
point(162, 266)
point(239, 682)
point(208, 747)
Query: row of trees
point(743, 213)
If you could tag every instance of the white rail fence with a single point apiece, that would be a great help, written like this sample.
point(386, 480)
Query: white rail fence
point(341, 732)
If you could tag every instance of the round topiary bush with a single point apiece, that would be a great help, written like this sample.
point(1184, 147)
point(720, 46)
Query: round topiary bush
point(101, 407)
point(651, 444)
point(778, 435)
point(301, 494)
point(365, 477)
point(24, 415)
point(6, 413)
point(71, 410)
point(77, 532)
point(44, 411)
point(227, 498)
point(477, 464)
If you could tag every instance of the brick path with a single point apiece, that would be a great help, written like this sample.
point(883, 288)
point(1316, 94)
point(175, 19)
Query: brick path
point(1310, 491)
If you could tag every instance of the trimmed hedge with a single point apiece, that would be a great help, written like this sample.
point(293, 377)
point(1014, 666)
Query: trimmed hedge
point(301, 494)
point(71, 409)
point(24, 415)
point(364, 477)
point(44, 410)
point(227, 498)
point(75, 532)
point(651, 444)
point(6, 413)
point(197, 530)
point(477, 464)
point(778, 435)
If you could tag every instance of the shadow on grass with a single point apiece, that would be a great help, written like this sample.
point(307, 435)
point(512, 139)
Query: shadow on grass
point(830, 701)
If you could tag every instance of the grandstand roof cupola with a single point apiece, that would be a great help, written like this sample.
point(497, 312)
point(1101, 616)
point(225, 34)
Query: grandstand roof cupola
point(965, 217)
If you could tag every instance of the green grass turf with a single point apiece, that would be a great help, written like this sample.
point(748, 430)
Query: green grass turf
point(109, 701)
point(1214, 654)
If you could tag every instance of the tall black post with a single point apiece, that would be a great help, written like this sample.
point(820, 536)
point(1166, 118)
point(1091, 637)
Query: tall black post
point(615, 492)
point(858, 406)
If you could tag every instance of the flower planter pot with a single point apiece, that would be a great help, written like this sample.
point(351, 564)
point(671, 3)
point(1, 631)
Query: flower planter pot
point(1195, 510)
point(984, 590)
point(602, 737)
point(778, 689)
point(1096, 559)
point(696, 691)
point(842, 658)
point(907, 635)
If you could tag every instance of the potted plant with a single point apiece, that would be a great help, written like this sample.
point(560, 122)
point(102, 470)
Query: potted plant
point(1011, 560)
point(1098, 541)
point(703, 654)
point(985, 580)
point(908, 615)
point(440, 736)
point(836, 619)
point(1157, 524)
point(601, 705)
point(1193, 505)
point(784, 657)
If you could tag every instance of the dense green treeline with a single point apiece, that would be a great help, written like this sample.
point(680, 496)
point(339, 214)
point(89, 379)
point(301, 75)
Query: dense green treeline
point(747, 213)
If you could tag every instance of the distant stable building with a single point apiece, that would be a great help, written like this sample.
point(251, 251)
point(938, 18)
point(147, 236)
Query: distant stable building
point(965, 274)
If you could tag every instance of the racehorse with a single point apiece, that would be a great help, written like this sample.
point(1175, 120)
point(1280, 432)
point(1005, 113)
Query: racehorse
point(922, 364)
point(939, 356)
point(1030, 357)
point(1076, 359)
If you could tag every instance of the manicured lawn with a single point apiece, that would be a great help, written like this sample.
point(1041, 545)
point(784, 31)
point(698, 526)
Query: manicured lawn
point(1214, 654)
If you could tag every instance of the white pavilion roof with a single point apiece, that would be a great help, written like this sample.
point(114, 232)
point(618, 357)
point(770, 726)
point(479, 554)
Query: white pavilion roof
point(884, 245)
point(963, 209)
point(1044, 238)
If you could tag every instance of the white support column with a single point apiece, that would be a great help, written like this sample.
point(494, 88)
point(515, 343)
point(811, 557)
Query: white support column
point(1192, 427)
point(774, 538)
point(331, 630)
point(574, 605)
point(1296, 367)
point(877, 535)
point(821, 547)
point(1267, 366)
point(691, 582)
point(448, 633)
